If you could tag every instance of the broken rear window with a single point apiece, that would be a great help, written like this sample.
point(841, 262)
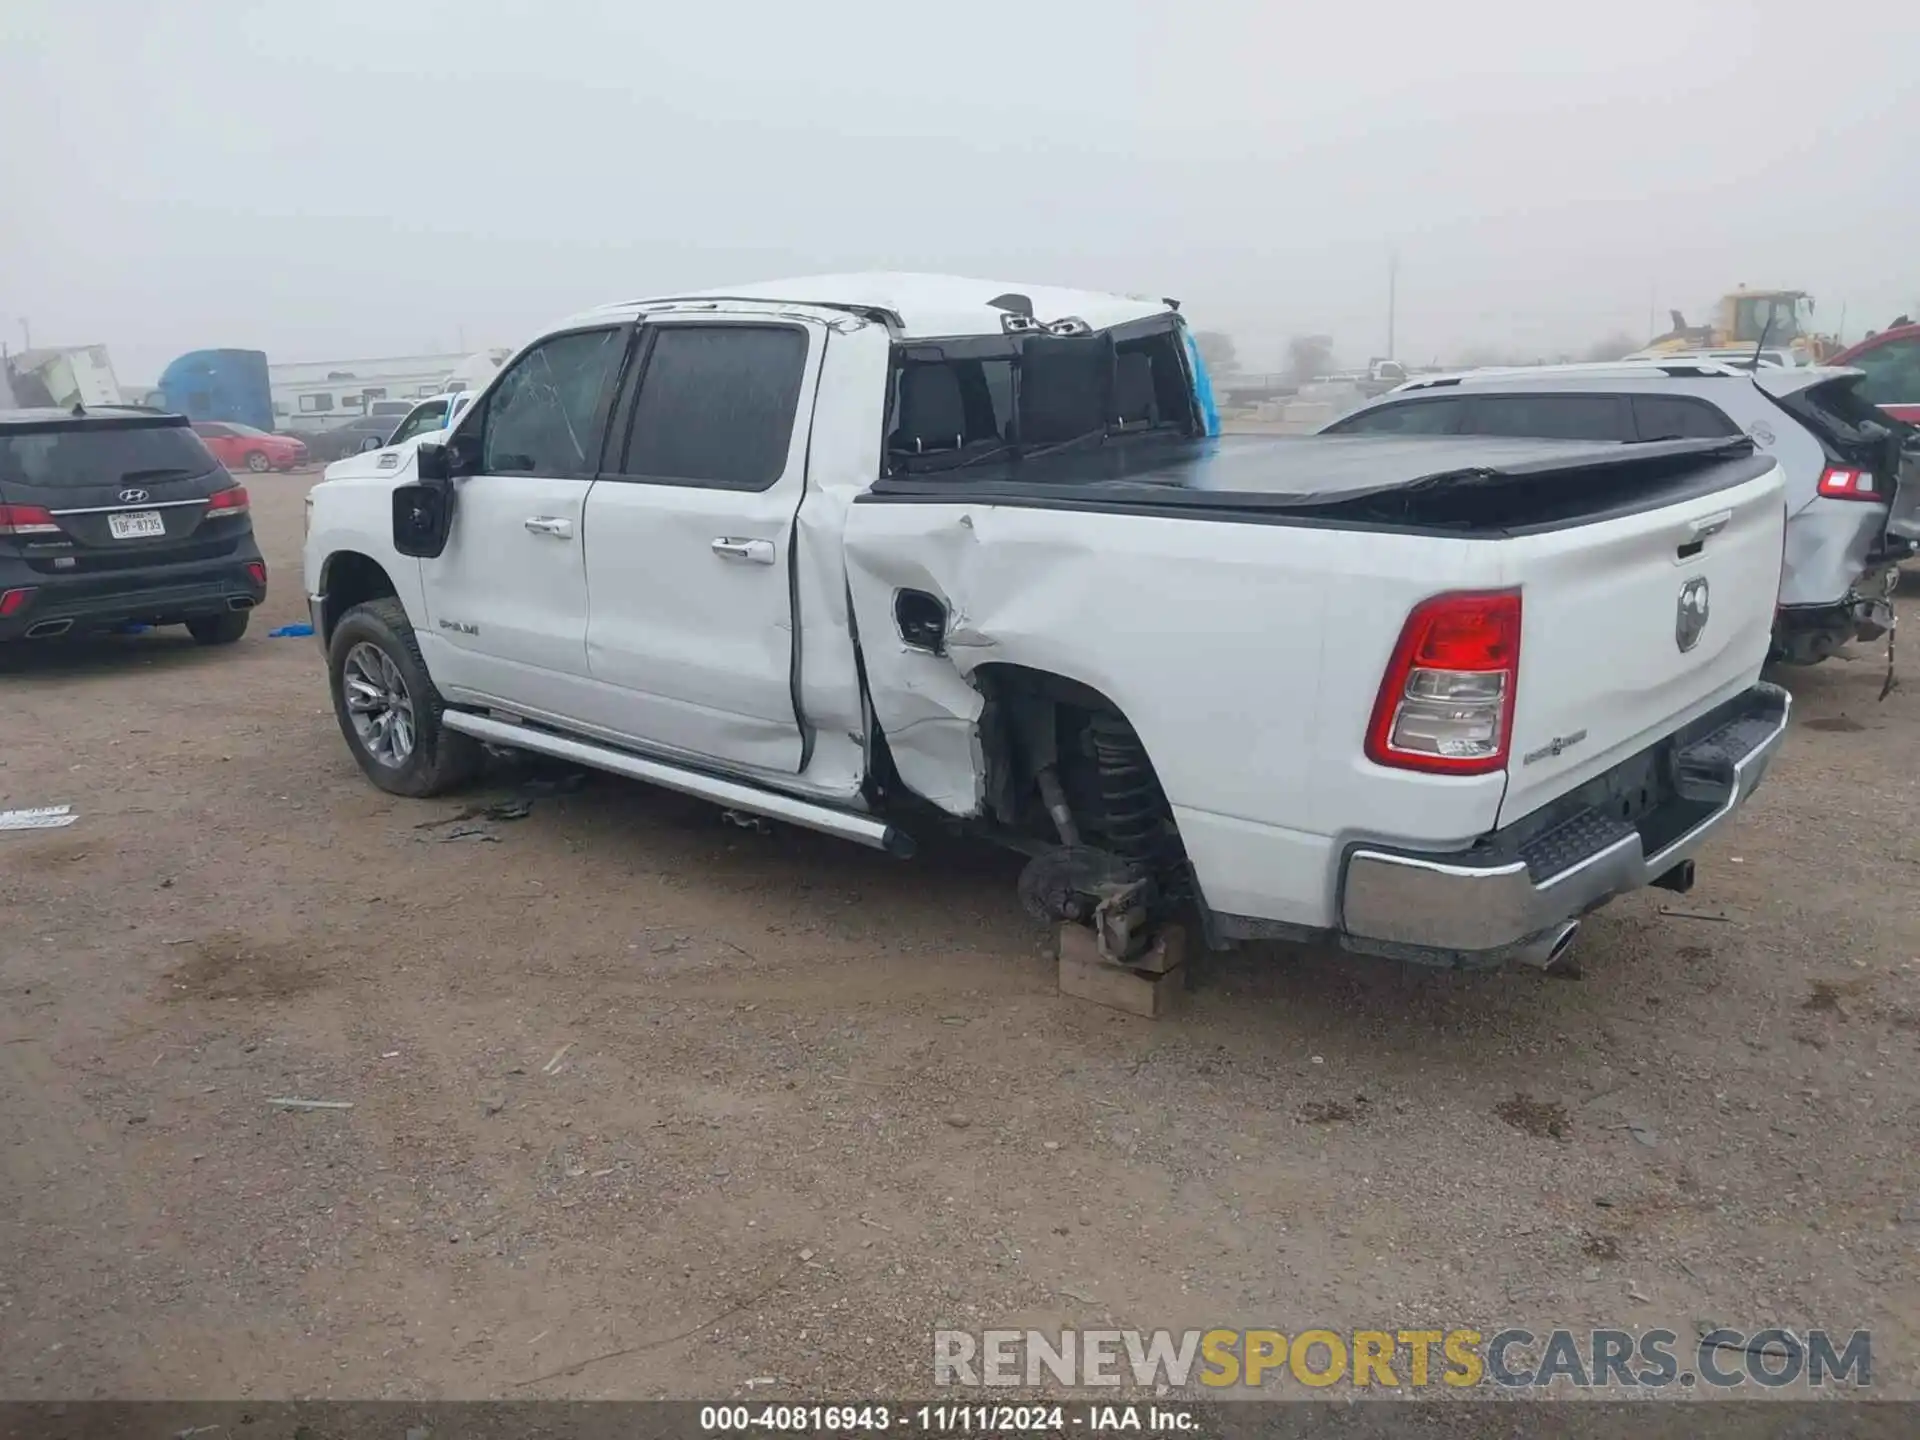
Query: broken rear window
point(966, 401)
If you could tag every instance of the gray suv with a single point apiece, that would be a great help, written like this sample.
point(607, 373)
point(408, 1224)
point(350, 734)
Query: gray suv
point(1853, 472)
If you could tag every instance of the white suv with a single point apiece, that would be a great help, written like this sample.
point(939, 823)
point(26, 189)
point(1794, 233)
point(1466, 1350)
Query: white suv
point(1849, 521)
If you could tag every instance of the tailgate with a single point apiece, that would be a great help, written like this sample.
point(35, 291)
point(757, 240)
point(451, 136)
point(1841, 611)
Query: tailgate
point(1635, 624)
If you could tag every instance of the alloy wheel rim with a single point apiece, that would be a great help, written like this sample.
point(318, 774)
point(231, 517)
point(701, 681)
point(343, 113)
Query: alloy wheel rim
point(379, 705)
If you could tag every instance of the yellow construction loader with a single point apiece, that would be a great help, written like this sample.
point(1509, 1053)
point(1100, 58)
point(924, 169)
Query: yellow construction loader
point(1783, 317)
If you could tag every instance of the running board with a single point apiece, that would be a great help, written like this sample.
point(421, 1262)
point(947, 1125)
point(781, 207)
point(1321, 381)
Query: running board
point(848, 825)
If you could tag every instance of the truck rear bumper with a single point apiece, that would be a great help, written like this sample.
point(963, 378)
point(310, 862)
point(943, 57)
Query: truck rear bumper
point(1499, 899)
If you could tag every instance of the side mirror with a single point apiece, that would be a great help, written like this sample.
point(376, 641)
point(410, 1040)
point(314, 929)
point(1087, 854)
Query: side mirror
point(433, 463)
point(422, 518)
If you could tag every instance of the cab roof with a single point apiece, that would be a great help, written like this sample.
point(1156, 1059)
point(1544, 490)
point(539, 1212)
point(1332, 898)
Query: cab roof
point(922, 306)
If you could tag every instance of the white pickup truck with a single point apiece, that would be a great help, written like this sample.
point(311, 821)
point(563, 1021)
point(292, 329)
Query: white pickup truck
point(880, 554)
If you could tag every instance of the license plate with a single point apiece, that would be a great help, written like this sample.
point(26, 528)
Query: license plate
point(136, 526)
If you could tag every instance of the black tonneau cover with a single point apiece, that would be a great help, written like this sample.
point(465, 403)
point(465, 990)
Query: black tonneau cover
point(1449, 482)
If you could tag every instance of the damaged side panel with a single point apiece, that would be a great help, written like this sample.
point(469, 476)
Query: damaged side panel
point(926, 707)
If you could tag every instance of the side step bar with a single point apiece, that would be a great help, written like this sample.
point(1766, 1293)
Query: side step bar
point(847, 824)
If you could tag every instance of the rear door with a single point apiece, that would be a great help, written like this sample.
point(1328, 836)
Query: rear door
point(690, 536)
point(1633, 625)
point(124, 492)
point(507, 599)
point(219, 441)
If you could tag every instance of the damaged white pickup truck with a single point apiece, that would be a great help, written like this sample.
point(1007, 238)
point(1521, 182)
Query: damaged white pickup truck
point(880, 554)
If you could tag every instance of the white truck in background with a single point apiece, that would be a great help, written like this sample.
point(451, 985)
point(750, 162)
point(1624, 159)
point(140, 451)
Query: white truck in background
point(885, 554)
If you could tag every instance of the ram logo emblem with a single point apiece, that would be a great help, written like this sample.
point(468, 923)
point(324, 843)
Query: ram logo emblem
point(1692, 615)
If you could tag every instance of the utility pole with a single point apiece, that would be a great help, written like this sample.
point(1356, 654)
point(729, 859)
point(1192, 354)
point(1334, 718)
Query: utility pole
point(1393, 285)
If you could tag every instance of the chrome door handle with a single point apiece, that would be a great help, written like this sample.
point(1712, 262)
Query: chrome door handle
point(757, 552)
point(549, 525)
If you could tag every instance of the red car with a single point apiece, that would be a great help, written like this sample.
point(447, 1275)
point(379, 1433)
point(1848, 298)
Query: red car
point(1891, 361)
point(243, 447)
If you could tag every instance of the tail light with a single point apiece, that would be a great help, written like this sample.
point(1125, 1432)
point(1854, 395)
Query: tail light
point(1446, 702)
point(27, 520)
point(227, 502)
point(1840, 483)
point(12, 602)
point(257, 572)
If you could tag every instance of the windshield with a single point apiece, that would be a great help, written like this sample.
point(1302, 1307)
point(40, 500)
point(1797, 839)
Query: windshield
point(101, 455)
point(428, 417)
point(1776, 317)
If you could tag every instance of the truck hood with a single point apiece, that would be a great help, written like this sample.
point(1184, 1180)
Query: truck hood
point(389, 460)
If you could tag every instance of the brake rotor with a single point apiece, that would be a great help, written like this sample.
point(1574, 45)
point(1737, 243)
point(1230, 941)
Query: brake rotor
point(1069, 882)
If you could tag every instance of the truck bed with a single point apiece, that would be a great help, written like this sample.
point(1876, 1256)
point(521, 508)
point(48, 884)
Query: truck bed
point(1449, 484)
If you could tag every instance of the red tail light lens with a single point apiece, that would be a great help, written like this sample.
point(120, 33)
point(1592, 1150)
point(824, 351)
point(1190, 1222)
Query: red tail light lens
point(1840, 483)
point(257, 572)
point(27, 520)
point(228, 502)
point(14, 601)
point(1446, 701)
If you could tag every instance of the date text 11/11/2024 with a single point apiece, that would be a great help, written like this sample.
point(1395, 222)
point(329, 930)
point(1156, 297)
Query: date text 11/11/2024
point(1093, 1419)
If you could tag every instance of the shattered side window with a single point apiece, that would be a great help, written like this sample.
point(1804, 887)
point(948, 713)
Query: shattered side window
point(540, 417)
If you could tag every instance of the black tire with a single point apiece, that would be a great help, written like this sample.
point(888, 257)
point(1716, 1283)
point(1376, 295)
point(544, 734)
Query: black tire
point(438, 759)
point(219, 629)
point(257, 462)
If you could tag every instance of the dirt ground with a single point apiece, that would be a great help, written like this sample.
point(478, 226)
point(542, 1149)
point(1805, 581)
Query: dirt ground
point(645, 1105)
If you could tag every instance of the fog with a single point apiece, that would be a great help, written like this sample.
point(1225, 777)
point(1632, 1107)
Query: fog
point(352, 178)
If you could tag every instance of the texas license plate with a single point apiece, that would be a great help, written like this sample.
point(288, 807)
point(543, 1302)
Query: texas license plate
point(137, 525)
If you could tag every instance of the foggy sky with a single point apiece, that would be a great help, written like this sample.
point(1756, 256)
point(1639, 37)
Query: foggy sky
point(347, 178)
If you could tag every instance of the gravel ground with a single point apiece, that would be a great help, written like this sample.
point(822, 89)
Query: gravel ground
point(646, 1105)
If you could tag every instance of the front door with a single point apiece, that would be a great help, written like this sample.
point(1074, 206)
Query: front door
point(689, 540)
point(507, 598)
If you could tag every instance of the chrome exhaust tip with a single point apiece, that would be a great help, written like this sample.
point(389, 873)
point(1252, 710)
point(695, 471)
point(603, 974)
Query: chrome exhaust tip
point(1546, 949)
point(47, 629)
point(239, 602)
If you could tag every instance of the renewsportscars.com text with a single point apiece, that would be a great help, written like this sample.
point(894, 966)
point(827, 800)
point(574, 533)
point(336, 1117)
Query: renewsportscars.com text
point(1458, 1358)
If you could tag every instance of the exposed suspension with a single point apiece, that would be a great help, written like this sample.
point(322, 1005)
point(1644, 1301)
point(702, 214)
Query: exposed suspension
point(1133, 809)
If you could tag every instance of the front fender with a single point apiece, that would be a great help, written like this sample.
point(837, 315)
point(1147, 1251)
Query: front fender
point(355, 516)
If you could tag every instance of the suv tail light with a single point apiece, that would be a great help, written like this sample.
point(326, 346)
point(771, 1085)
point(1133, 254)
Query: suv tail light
point(1840, 482)
point(27, 520)
point(227, 502)
point(12, 602)
point(1446, 702)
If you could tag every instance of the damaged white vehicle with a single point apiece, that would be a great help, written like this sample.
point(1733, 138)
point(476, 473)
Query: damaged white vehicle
point(882, 554)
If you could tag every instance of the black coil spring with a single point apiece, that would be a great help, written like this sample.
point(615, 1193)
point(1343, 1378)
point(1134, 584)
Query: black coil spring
point(1133, 809)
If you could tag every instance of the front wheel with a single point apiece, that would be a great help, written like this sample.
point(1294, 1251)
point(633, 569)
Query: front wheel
point(388, 708)
point(222, 629)
point(257, 462)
